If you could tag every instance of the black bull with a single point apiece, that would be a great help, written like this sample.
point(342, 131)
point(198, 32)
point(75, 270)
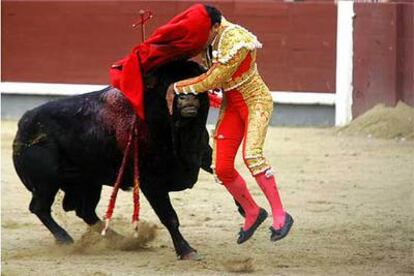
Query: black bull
point(76, 145)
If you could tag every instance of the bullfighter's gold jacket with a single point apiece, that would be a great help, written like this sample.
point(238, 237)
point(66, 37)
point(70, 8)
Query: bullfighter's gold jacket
point(230, 48)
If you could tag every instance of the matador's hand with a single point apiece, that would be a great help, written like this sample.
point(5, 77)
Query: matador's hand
point(169, 97)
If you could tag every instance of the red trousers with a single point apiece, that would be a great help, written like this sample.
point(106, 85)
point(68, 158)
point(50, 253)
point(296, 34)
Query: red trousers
point(240, 119)
point(245, 117)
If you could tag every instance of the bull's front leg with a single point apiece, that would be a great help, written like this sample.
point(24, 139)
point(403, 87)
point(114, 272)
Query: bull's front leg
point(161, 203)
point(206, 159)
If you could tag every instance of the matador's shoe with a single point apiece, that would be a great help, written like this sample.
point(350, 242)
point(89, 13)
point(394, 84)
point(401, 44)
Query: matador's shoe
point(245, 235)
point(278, 234)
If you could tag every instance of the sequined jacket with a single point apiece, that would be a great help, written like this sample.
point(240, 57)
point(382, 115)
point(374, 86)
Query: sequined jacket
point(231, 63)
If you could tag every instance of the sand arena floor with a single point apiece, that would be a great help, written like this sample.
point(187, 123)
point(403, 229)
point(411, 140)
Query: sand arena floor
point(352, 199)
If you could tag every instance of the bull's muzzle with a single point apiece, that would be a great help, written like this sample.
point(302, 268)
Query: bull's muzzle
point(188, 105)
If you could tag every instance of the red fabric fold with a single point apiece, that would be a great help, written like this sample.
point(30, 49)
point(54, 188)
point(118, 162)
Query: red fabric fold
point(184, 36)
point(127, 77)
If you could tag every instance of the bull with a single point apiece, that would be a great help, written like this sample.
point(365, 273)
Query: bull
point(76, 145)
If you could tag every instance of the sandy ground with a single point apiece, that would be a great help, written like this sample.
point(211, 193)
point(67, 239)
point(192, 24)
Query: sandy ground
point(352, 199)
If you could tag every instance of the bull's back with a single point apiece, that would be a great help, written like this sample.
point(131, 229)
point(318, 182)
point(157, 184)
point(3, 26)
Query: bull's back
point(69, 132)
point(46, 122)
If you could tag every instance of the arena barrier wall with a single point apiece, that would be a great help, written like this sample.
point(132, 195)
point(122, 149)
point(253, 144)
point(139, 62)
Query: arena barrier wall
point(77, 41)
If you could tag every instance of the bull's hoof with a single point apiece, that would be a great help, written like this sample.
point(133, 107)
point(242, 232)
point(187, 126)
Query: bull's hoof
point(64, 240)
point(191, 256)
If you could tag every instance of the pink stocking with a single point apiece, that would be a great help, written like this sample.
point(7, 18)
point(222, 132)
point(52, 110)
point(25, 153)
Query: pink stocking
point(239, 191)
point(268, 186)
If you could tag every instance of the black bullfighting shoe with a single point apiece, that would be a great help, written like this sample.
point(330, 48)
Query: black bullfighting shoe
point(282, 232)
point(245, 235)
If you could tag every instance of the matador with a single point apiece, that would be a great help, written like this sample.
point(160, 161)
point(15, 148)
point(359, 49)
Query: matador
point(230, 57)
point(229, 53)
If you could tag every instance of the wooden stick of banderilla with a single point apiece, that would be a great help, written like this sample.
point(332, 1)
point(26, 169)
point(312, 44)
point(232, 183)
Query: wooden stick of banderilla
point(135, 194)
point(133, 137)
point(144, 17)
point(142, 14)
point(119, 178)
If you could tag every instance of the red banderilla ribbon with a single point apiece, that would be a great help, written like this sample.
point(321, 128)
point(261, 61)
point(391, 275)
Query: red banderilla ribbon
point(133, 137)
point(135, 194)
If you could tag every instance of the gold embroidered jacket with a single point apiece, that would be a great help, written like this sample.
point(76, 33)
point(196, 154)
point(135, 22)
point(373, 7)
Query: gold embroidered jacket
point(231, 47)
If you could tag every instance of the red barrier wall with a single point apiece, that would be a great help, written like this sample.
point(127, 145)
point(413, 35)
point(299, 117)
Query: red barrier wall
point(383, 55)
point(76, 42)
point(405, 56)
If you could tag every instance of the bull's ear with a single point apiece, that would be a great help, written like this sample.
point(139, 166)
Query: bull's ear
point(150, 81)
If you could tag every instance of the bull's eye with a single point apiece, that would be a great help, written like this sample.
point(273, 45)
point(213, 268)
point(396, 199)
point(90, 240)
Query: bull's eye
point(181, 96)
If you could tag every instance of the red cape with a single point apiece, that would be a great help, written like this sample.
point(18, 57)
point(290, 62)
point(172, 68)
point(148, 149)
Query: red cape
point(184, 36)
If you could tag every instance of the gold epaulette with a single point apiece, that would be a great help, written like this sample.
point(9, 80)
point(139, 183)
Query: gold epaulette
point(233, 38)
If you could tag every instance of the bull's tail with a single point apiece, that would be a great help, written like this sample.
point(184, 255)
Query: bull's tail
point(20, 172)
point(28, 146)
point(19, 153)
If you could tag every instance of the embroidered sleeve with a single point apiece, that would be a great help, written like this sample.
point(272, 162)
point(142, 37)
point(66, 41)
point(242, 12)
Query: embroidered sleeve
point(214, 77)
point(232, 40)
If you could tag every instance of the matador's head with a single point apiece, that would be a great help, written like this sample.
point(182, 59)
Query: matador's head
point(215, 18)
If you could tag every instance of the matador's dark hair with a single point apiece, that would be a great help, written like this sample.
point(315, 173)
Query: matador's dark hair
point(214, 13)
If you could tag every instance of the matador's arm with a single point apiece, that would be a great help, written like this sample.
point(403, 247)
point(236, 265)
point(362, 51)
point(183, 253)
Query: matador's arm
point(214, 77)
